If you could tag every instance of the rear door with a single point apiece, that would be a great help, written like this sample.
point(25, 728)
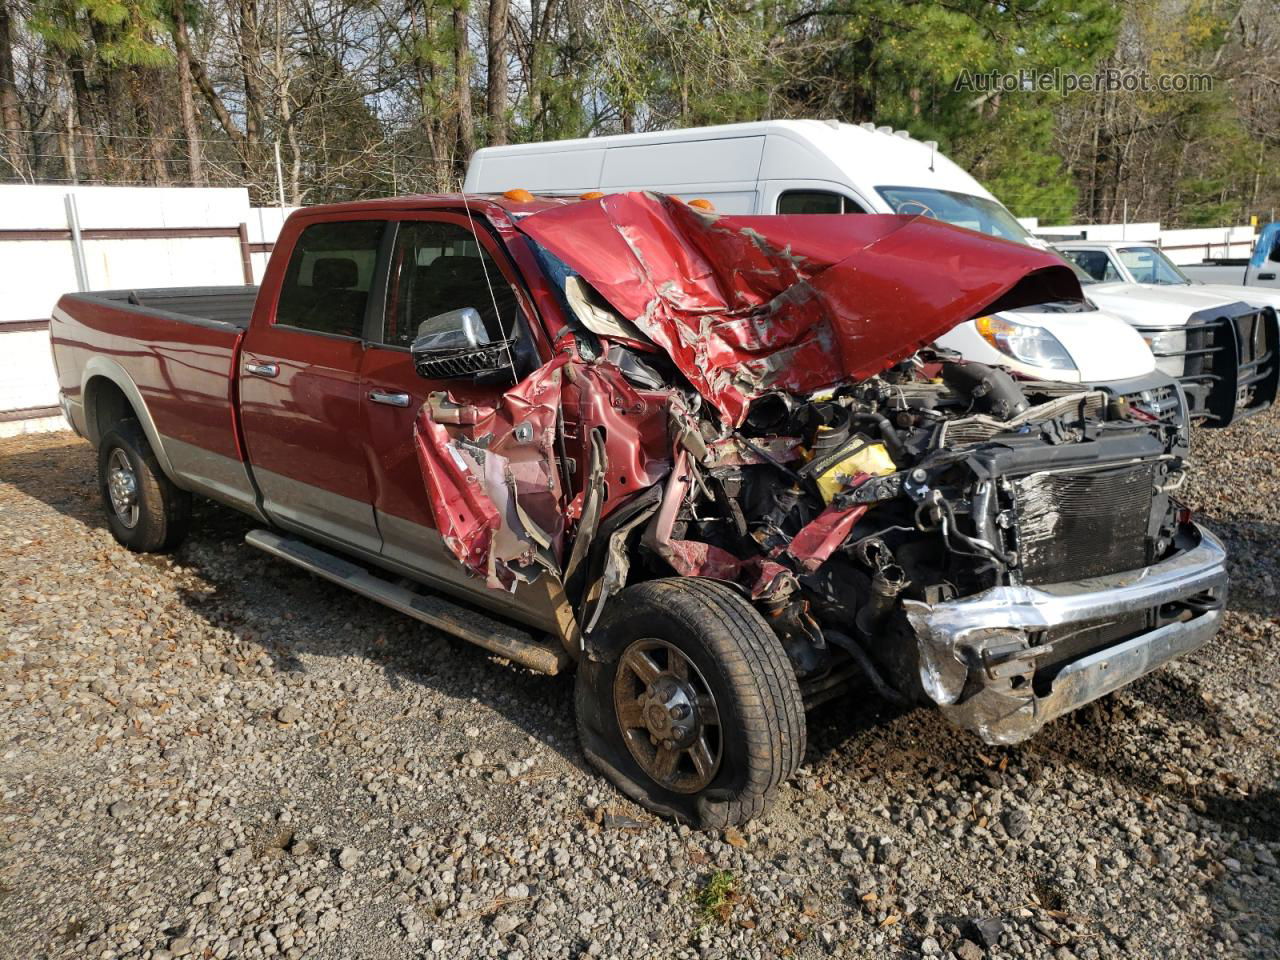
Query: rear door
point(301, 403)
point(436, 263)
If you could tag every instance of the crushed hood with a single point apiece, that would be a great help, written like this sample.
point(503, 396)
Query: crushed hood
point(745, 305)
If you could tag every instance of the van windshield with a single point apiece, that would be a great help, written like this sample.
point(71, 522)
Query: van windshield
point(962, 209)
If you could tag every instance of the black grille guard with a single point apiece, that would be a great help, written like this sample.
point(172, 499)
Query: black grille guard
point(1231, 362)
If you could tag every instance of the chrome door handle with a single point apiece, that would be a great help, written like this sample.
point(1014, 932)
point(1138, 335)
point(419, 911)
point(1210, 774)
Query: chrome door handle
point(262, 369)
point(390, 399)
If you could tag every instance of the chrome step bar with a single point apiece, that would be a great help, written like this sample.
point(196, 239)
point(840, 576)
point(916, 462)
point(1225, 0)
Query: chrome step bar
point(471, 625)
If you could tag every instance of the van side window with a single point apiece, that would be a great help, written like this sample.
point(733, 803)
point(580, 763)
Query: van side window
point(437, 267)
point(326, 285)
point(816, 201)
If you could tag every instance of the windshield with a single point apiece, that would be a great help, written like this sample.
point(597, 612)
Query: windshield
point(962, 209)
point(1149, 265)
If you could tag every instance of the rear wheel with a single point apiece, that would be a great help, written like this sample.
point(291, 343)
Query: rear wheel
point(145, 511)
point(688, 703)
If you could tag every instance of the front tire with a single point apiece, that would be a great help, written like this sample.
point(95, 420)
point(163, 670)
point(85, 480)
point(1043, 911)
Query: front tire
point(687, 702)
point(145, 511)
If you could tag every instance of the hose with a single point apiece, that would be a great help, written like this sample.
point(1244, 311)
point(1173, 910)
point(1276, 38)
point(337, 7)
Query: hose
point(888, 434)
point(851, 647)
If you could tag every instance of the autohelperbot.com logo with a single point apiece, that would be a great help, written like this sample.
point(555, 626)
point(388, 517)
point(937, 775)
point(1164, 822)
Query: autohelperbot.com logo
point(1065, 82)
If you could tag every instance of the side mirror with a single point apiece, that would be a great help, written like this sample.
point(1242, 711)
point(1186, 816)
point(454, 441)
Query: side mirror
point(452, 330)
point(456, 345)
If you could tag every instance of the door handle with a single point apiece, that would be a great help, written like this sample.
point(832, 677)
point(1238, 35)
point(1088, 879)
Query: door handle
point(1266, 276)
point(262, 369)
point(390, 399)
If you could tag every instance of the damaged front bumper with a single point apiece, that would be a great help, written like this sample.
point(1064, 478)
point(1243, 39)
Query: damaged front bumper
point(995, 663)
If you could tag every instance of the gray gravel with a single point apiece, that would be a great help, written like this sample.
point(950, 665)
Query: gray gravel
point(215, 755)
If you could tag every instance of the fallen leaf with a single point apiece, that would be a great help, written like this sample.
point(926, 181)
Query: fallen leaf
point(890, 920)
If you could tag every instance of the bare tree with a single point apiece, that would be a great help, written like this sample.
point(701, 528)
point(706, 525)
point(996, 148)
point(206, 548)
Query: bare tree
point(10, 109)
point(496, 94)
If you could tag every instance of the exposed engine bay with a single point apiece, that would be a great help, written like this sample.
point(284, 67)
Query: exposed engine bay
point(937, 481)
point(947, 532)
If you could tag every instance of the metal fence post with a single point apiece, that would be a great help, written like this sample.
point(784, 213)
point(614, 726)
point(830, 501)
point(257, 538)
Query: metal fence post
point(77, 243)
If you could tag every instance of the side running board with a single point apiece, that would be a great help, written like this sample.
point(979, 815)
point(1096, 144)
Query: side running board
point(495, 636)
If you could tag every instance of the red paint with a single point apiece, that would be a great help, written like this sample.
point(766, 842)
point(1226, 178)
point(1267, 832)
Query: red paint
point(184, 372)
point(822, 536)
point(478, 470)
point(747, 304)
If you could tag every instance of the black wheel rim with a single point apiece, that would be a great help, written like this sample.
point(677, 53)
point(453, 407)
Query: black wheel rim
point(668, 716)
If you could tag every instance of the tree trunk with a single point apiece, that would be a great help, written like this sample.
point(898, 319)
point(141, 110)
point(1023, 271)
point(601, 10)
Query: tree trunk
point(186, 97)
point(250, 67)
point(462, 82)
point(210, 95)
point(497, 82)
point(10, 110)
point(84, 115)
point(150, 124)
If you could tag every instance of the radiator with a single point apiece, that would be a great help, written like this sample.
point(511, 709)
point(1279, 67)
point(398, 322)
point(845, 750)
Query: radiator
point(1083, 524)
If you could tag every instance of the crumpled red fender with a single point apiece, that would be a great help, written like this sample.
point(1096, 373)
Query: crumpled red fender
point(492, 477)
point(744, 305)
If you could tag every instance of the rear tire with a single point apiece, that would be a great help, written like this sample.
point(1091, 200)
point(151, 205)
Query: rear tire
point(687, 702)
point(145, 511)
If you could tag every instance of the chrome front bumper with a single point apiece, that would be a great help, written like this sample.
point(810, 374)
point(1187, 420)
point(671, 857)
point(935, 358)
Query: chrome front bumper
point(977, 662)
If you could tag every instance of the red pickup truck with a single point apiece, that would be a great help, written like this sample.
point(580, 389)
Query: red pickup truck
point(711, 462)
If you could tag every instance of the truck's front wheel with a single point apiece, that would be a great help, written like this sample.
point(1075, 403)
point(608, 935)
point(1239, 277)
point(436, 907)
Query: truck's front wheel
point(687, 701)
point(145, 511)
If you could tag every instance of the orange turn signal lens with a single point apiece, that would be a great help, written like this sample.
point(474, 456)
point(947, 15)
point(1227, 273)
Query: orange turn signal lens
point(518, 195)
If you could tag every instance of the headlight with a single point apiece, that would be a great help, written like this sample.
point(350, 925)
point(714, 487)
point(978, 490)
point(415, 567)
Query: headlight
point(1034, 346)
point(1164, 344)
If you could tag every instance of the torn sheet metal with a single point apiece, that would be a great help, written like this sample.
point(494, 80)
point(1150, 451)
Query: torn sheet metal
point(493, 479)
point(814, 543)
point(748, 304)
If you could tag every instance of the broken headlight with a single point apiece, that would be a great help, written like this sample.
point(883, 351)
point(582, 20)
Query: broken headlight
point(1035, 346)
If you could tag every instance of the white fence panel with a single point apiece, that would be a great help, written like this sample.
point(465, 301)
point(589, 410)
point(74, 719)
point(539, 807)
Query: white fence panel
point(130, 237)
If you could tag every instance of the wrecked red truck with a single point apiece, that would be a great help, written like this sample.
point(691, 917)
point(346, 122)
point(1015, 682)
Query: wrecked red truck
point(711, 462)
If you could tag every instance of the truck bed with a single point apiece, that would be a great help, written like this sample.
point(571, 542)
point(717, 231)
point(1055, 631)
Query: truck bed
point(231, 305)
point(170, 355)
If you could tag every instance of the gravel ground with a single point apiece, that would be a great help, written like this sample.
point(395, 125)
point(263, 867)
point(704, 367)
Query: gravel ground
point(216, 755)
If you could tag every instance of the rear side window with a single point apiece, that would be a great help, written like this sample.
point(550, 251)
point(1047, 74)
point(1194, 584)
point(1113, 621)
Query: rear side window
point(326, 286)
point(816, 201)
point(437, 267)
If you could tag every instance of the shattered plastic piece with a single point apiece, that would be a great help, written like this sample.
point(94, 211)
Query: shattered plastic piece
point(744, 305)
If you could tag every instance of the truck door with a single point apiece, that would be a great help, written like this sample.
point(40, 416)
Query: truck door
point(437, 263)
point(301, 403)
point(1264, 267)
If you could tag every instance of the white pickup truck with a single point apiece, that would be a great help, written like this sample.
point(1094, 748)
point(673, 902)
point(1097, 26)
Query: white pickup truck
point(1219, 340)
point(826, 167)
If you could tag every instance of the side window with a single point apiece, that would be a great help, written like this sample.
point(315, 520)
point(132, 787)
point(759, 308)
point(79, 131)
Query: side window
point(437, 267)
point(1275, 250)
point(816, 201)
point(326, 285)
point(1095, 263)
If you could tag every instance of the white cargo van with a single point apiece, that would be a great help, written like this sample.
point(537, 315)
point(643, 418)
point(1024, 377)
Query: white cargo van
point(822, 166)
